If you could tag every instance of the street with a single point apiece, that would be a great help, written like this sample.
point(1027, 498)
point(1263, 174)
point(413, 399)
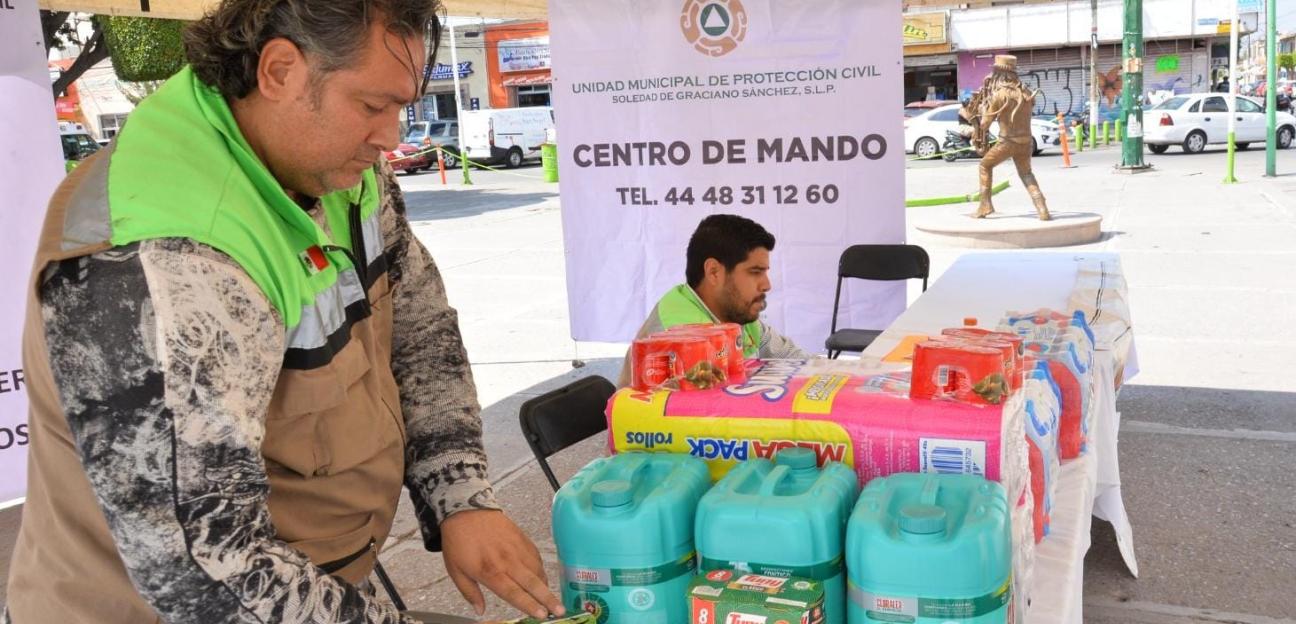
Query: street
point(1208, 425)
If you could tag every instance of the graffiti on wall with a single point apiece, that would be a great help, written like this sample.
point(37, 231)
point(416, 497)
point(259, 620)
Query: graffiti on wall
point(1065, 90)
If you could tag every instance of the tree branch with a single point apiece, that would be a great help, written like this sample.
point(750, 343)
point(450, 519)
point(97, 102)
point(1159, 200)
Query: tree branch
point(95, 50)
point(51, 21)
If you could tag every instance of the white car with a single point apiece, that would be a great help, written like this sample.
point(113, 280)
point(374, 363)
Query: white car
point(1201, 119)
point(925, 133)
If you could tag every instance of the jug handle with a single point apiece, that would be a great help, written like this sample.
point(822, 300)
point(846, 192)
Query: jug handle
point(771, 482)
point(638, 465)
point(930, 489)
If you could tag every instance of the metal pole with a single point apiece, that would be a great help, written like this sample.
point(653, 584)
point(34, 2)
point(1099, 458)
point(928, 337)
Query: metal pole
point(1132, 91)
point(1229, 178)
point(1271, 86)
point(454, 72)
point(1093, 68)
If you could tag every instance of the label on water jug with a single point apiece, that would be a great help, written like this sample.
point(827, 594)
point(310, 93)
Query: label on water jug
point(584, 579)
point(736, 597)
point(819, 572)
point(888, 608)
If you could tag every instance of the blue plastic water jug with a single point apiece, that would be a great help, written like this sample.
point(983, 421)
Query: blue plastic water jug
point(781, 518)
point(624, 530)
point(930, 548)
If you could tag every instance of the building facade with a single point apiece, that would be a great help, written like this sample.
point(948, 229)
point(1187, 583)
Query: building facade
point(1186, 48)
point(104, 105)
point(517, 55)
point(95, 100)
point(438, 100)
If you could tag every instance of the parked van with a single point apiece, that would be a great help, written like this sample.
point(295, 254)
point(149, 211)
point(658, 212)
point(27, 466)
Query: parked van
point(506, 135)
point(77, 144)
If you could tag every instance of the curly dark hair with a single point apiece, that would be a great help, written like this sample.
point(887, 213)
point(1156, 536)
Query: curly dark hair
point(224, 47)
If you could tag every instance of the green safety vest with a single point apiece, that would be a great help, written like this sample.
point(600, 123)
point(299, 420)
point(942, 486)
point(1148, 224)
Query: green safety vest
point(681, 306)
point(334, 435)
point(220, 194)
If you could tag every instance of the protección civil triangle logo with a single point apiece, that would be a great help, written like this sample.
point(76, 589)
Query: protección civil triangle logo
point(714, 27)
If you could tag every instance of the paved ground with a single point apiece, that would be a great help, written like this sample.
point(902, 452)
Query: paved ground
point(1209, 423)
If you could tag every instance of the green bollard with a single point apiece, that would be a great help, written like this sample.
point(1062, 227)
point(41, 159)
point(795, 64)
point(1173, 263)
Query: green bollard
point(1106, 133)
point(1120, 131)
point(549, 160)
point(1093, 137)
point(1079, 138)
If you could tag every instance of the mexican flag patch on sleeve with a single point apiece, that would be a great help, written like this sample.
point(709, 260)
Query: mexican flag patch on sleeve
point(313, 259)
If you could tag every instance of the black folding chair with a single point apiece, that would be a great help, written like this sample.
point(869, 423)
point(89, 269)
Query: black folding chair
point(560, 418)
point(873, 262)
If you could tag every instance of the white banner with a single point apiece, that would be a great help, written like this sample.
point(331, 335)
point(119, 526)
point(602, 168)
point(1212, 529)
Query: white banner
point(785, 112)
point(31, 165)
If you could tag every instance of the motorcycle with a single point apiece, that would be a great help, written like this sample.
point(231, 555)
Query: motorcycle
point(957, 146)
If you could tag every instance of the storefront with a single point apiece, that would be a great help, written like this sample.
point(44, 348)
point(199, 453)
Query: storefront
point(439, 99)
point(930, 67)
point(1219, 61)
point(932, 77)
point(518, 58)
point(530, 91)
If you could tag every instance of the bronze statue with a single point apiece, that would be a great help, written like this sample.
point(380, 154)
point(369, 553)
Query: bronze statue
point(1005, 99)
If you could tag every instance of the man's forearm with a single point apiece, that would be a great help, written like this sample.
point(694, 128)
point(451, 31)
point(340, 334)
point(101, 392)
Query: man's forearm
point(776, 346)
point(446, 465)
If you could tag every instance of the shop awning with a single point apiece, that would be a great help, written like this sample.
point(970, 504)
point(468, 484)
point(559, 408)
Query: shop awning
point(193, 9)
point(522, 81)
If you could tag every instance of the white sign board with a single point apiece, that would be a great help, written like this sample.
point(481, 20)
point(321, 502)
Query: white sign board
point(31, 166)
point(783, 112)
point(527, 54)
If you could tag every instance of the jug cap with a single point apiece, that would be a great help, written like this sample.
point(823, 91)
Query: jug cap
point(922, 519)
point(796, 458)
point(613, 493)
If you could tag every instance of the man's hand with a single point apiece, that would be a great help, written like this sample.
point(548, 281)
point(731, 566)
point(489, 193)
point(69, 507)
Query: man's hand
point(484, 547)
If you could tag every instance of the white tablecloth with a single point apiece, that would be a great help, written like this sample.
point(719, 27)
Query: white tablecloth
point(987, 285)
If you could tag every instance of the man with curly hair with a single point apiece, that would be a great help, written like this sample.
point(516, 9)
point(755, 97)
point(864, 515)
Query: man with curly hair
point(238, 352)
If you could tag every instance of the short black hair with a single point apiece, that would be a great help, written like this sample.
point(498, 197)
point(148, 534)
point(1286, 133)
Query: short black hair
point(727, 238)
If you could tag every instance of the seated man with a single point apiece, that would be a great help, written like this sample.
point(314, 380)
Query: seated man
point(727, 269)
